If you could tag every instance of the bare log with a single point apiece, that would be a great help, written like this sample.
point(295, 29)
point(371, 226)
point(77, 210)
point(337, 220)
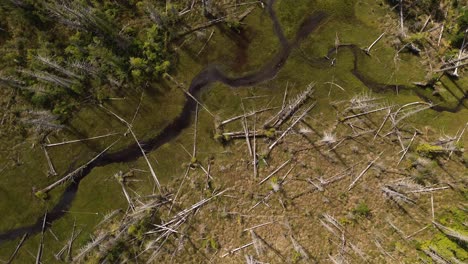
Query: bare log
point(408, 113)
point(241, 134)
point(87, 248)
point(291, 126)
point(425, 24)
point(383, 123)
point(435, 256)
point(417, 232)
point(285, 96)
point(278, 119)
point(109, 216)
point(365, 113)
point(127, 196)
point(232, 251)
point(363, 172)
point(70, 242)
point(78, 140)
point(298, 248)
point(396, 196)
point(274, 172)
point(246, 131)
point(49, 162)
point(254, 149)
point(451, 232)
point(12, 257)
point(194, 152)
point(452, 67)
point(407, 148)
point(440, 35)
point(58, 255)
point(430, 189)
point(396, 229)
point(402, 27)
point(204, 45)
point(246, 115)
point(257, 226)
point(367, 50)
point(41, 243)
point(459, 137)
point(462, 48)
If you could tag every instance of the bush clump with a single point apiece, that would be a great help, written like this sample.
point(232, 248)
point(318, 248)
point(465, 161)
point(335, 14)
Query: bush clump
point(428, 150)
point(362, 210)
point(41, 195)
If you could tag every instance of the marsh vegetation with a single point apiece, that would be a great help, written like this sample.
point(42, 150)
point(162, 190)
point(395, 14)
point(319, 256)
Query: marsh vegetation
point(233, 131)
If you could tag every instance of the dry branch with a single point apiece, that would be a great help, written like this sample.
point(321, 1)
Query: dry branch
point(364, 171)
point(274, 172)
point(232, 251)
point(257, 226)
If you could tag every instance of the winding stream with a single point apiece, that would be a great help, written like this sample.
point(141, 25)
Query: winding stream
point(209, 75)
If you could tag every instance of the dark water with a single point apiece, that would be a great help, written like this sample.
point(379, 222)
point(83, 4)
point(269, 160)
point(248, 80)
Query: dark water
point(380, 87)
point(209, 75)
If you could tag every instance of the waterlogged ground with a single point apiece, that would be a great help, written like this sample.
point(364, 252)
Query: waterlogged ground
point(352, 22)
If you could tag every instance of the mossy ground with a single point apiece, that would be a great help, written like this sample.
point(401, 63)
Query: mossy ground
point(99, 193)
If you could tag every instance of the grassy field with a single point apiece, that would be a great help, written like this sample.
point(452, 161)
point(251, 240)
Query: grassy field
point(99, 193)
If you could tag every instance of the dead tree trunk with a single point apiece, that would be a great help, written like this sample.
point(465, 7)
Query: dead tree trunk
point(291, 126)
point(367, 50)
point(41, 243)
point(289, 110)
point(52, 170)
point(10, 260)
